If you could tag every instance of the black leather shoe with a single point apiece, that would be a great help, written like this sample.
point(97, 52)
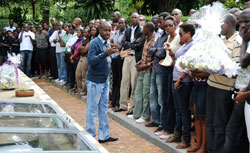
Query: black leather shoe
point(159, 129)
point(152, 124)
point(110, 139)
point(130, 112)
point(119, 110)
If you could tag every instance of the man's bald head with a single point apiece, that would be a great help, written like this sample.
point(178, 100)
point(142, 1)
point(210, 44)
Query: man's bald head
point(247, 5)
point(134, 19)
point(135, 14)
point(26, 27)
point(104, 24)
point(105, 30)
point(246, 11)
point(177, 10)
point(52, 20)
point(117, 13)
point(244, 19)
point(177, 13)
point(77, 22)
point(233, 10)
point(229, 25)
point(231, 19)
point(116, 16)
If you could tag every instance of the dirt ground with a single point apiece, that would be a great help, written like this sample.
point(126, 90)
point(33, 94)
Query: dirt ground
point(128, 141)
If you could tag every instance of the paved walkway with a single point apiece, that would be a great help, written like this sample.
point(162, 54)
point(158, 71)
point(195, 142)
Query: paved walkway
point(128, 141)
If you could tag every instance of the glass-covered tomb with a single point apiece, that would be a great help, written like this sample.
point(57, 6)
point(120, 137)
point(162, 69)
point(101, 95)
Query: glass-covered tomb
point(39, 127)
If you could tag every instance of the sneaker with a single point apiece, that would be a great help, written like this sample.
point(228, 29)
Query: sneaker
point(61, 82)
point(159, 129)
point(164, 136)
point(158, 133)
point(140, 120)
point(57, 80)
point(131, 116)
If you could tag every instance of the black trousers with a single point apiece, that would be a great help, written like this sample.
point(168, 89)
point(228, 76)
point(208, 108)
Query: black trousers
point(236, 137)
point(34, 64)
point(72, 72)
point(116, 66)
point(53, 63)
point(219, 106)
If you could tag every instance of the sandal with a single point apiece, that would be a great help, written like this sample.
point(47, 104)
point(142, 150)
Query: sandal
point(173, 139)
point(182, 145)
point(193, 148)
point(115, 108)
point(110, 105)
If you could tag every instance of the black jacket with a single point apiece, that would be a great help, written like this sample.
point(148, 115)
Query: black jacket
point(137, 45)
point(4, 49)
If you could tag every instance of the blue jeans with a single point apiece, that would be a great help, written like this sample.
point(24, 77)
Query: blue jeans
point(183, 116)
point(169, 110)
point(26, 61)
point(156, 99)
point(178, 121)
point(97, 102)
point(61, 66)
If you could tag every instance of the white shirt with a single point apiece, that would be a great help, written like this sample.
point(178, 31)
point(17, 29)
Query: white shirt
point(26, 43)
point(71, 42)
point(178, 28)
point(158, 33)
point(248, 48)
point(132, 38)
point(10, 29)
point(117, 37)
point(55, 36)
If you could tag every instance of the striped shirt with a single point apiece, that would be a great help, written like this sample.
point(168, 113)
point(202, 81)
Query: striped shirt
point(222, 82)
point(146, 58)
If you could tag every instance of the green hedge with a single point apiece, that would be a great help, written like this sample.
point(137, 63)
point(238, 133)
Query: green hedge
point(4, 23)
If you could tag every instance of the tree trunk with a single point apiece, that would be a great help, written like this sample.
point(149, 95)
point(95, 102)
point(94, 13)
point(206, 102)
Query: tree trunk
point(33, 3)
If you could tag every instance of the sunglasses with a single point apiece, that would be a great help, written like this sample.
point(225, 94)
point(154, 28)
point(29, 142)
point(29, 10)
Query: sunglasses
point(168, 25)
point(141, 20)
point(182, 34)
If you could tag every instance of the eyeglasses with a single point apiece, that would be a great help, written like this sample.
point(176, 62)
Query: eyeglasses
point(182, 34)
point(168, 25)
point(141, 19)
point(175, 14)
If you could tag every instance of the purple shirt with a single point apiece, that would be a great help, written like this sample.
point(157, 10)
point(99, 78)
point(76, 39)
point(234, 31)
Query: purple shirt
point(181, 51)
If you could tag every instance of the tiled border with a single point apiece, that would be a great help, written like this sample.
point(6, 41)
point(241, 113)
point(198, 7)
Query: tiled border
point(138, 129)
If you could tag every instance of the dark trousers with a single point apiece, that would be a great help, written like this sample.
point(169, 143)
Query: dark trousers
point(72, 73)
point(3, 59)
point(34, 64)
point(116, 66)
point(168, 112)
point(53, 63)
point(219, 107)
point(236, 137)
point(183, 96)
point(183, 116)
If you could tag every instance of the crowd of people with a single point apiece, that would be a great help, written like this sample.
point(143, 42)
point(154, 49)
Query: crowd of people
point(130, 63)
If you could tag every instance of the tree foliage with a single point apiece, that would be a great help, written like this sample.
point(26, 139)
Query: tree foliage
point(96, 9)
point(34, 11)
